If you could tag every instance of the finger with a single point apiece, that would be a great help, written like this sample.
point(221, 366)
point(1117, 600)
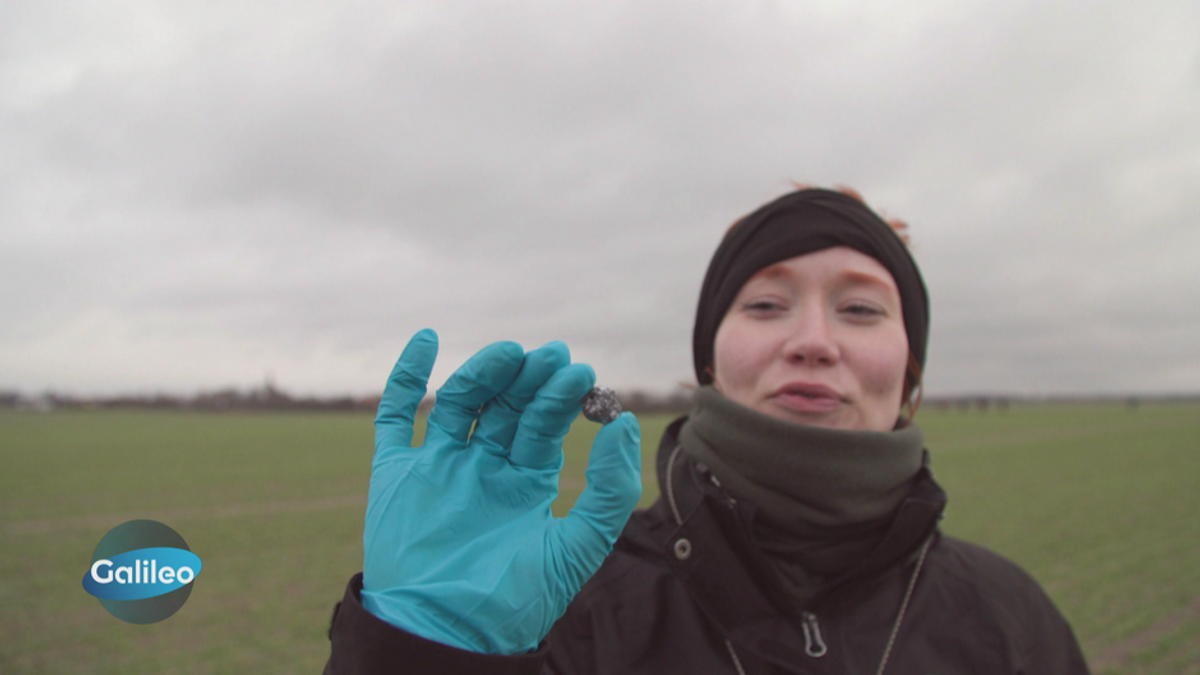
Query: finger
point(546, 420)
point(475, 382)
point(498, 422)
point(614, 486)
point(403, 393)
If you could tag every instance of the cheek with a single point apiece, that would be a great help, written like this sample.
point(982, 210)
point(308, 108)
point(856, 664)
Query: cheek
point(738, 356)
point(882, 366)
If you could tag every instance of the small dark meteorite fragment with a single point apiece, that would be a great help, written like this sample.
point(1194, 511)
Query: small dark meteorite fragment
point(601, 405)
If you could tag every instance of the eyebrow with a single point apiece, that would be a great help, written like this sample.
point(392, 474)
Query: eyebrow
point(771, 272)
point(779, 270)
point(864, 277)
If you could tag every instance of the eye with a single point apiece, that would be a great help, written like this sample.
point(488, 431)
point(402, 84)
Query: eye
point(862, 309)
point(763, 306)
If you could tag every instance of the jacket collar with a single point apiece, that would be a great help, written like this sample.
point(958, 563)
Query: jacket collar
point(704, 534)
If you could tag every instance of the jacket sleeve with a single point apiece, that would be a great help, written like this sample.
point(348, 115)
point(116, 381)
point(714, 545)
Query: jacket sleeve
point(363, 644)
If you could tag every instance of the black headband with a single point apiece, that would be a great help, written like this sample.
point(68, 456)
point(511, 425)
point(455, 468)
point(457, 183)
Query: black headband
point(797, 223)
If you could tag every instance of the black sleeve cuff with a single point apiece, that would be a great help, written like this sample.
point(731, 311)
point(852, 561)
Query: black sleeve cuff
point(362, 643)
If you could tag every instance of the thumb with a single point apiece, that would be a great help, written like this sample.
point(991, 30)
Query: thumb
point(614, 486)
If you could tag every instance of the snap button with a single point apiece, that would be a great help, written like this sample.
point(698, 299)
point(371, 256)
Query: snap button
point(683, 549)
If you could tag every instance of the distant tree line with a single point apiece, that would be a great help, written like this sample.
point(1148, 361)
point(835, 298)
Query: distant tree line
point(270, 398)
point(267, 397)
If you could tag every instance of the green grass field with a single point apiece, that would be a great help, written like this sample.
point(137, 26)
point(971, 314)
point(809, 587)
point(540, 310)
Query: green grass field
point(1100, 503)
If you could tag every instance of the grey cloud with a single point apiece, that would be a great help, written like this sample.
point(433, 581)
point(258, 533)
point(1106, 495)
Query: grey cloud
point(333, 177)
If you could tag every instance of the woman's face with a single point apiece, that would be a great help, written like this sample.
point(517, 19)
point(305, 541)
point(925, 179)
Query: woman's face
point(817, 339)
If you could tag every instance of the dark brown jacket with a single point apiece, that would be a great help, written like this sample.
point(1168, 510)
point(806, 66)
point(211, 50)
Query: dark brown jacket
point(686, 591)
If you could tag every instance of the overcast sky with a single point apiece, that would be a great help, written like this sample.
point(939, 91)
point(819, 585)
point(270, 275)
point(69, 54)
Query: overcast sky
point(201, 195)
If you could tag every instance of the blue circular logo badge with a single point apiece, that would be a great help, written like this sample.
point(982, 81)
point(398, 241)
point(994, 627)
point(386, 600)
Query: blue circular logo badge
point(142, 571)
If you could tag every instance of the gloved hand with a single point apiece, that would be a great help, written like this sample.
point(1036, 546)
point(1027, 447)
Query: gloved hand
point(460, 544)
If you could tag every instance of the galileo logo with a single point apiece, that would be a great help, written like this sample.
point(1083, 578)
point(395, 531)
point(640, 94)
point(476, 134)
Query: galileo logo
point(142, 571)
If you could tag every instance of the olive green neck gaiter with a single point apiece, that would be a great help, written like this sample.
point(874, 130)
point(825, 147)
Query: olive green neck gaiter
point(825, 496)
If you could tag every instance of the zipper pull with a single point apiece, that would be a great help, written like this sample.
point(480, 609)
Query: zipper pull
point(814, 646)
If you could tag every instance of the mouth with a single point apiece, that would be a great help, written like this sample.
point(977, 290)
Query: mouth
point(807, 397)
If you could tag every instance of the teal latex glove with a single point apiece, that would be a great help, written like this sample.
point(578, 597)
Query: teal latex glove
point(460, 544)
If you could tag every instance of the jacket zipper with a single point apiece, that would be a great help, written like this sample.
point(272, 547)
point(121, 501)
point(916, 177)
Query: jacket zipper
point(814, 646)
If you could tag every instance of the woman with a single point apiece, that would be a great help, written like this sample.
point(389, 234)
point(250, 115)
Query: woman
point(797, 528)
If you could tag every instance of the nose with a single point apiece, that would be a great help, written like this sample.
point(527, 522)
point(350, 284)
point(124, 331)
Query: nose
point(811, 343)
